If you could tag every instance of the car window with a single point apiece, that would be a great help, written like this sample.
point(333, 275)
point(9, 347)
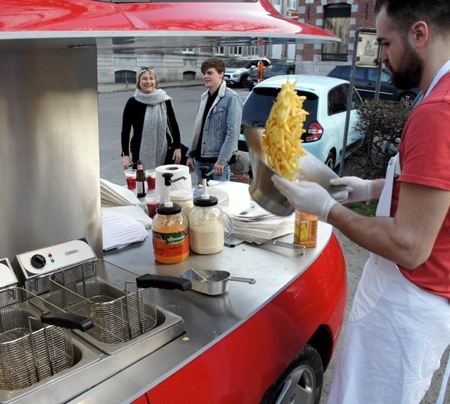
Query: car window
point(236, 63)
point(359, 73)
point(279, 68)
point(385, 77)
point(337, 100)
point(260, 101)
point(373, 75)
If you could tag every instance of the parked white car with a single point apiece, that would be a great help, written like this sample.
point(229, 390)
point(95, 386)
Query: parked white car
point(326, 102)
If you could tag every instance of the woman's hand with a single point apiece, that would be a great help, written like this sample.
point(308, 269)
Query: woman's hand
point(177, 156)
point(126, 162)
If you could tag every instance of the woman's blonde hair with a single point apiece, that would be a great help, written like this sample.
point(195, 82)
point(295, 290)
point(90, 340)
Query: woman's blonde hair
point(143, 70)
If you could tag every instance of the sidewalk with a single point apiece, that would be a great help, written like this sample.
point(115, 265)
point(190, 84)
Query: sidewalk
point(121, 87)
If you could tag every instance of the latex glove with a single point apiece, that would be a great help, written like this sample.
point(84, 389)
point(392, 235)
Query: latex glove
point(306, 197)
point(359, 190)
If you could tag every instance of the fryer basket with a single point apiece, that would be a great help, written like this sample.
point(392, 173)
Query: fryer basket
point(107, 294)
point(30, 351)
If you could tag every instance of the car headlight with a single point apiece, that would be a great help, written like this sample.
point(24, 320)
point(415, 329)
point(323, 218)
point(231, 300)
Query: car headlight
point(236, 74)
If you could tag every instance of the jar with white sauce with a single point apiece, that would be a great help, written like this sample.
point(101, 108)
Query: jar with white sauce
point(185, 199)
point(206, 226)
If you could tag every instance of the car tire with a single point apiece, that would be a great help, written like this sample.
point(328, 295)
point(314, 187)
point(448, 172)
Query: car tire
point(243, 82)
point(407, 98)
point(330, 161)
point(300, 383)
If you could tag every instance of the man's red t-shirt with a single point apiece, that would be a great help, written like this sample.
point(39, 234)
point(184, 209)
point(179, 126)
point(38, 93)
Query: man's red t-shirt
point(425, 160)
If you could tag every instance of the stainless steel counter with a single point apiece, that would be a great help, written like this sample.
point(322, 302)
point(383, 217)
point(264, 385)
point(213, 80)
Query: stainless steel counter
point(207, 319)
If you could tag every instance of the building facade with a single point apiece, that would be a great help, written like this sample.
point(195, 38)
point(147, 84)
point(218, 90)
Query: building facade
point(119, 61)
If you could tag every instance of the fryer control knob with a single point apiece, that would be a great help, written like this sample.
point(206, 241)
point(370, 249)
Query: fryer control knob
point(38, 261)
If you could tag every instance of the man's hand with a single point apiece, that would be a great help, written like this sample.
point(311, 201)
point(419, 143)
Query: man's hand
point(359, 190)
point(306, 197)
point(190, 163)
point(219, 169)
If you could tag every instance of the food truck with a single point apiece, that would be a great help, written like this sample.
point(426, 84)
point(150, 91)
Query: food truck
point(267, 342)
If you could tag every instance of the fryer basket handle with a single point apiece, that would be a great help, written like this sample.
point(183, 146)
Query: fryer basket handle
point(67, 320)
point(163, 282)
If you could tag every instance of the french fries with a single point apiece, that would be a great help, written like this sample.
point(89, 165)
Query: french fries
point(281, 140)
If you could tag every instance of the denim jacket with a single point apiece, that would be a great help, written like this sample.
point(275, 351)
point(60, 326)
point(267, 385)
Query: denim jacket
point(222, 125)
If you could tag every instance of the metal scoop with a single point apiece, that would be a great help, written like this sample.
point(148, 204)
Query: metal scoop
point(212, 282)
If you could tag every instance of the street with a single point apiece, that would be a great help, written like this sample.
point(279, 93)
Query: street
point(185, 101)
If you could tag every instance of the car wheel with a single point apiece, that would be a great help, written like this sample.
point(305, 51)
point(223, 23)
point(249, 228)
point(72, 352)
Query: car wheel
point(300, 383)
point(243, 82)
point(407, 98)
point(330, 161)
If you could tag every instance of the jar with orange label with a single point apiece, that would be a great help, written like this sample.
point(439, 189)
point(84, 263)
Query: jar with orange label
point(305, 229)
point(170, 234)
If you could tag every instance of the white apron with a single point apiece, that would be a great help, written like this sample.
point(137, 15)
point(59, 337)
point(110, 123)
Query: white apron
point(395, 336)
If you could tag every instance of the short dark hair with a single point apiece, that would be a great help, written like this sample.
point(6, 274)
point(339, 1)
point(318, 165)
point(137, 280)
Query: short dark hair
point(215, 63)
point(406, 12)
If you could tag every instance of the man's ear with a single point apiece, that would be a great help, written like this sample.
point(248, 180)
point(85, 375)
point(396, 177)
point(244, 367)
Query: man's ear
point(418, 33)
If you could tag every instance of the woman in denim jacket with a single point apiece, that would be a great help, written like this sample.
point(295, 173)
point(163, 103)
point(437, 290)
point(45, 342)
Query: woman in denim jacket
point(217, 125)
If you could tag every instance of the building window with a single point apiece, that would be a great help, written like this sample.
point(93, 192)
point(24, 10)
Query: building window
point(337, 21)
point(293, 5)
point(188, 50)
point(254, 50)
point(220, 51)
point(236, 50)
point(125, 76)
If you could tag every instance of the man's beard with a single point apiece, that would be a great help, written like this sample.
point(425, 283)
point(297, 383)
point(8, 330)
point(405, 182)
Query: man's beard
point(410, 71)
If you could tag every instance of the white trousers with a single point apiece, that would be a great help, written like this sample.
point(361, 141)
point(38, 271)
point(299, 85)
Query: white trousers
point(394, 340)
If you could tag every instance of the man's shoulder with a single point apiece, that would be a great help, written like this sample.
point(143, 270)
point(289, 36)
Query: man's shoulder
point(231, 92)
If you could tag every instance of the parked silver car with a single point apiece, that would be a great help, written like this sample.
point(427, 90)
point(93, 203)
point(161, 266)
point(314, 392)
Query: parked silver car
point(238, 69)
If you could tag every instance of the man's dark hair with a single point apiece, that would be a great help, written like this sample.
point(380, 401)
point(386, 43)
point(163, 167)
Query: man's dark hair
point(435, 13)
point(215, 63)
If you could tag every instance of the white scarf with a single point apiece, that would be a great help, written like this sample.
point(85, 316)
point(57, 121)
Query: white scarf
point(154, 142)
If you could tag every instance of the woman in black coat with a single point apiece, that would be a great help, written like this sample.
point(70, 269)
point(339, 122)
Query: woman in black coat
point(150, 116)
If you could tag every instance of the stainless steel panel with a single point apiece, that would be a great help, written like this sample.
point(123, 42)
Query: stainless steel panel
point(49, 149)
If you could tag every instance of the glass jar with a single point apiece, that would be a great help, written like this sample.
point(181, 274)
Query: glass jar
point(185, 199)
point(206, 226)
point(170, 234)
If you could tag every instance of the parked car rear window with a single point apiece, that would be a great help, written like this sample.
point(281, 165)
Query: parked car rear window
point(259, 103)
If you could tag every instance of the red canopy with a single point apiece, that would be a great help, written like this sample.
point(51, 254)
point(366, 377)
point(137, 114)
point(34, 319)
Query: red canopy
point(187, 21)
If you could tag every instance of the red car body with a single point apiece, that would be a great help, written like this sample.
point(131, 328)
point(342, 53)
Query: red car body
point(242, 366)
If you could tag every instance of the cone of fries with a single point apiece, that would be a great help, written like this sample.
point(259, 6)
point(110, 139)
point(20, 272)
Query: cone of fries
point(277, 149)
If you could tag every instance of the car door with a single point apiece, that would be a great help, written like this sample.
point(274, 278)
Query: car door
point(337, 112)
point(387, 90)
